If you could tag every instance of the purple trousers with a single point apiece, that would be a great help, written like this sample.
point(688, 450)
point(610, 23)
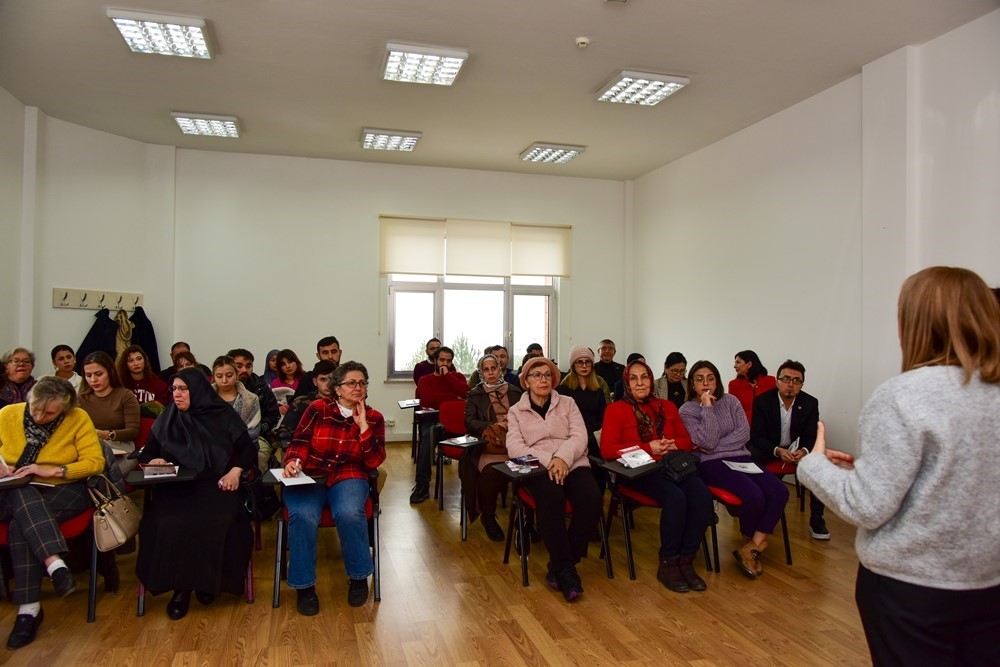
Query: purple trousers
point(764, 496)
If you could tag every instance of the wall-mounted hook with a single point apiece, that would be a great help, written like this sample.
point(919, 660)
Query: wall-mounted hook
point(64, 301)
point(101, 302)
point(83, 301)
point(119, 301)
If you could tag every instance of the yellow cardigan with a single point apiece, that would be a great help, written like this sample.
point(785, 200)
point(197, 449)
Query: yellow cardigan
point(74, 444)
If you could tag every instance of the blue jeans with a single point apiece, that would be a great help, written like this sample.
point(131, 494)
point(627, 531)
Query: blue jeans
point(347, 505)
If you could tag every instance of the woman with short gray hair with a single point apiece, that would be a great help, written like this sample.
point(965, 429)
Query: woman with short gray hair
point(18, 365)
point(54, 440)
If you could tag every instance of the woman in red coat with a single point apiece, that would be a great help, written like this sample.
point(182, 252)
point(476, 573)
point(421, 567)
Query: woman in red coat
point(751, 380)
point(653, 424)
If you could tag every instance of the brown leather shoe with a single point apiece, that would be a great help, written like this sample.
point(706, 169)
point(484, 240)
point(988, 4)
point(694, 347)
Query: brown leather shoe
point(694, 582)
point(757, 551)
point(669, 574)
point(744, 559)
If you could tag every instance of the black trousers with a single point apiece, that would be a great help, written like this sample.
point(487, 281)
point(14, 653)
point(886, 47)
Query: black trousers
point(566, 546)
point(687, 510)
point(909, 625)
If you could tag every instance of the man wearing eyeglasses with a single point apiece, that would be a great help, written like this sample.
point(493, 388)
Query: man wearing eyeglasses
point(444, 384)
point(607, 368)
point(784, 429)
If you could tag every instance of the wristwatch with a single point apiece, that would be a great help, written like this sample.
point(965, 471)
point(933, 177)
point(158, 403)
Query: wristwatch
point(112, 435)
point(63, 470)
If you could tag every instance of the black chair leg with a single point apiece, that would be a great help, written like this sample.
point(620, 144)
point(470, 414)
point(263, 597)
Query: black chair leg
point(377, 576)
point(92, 593)
point(278, 547)
point(784, 533)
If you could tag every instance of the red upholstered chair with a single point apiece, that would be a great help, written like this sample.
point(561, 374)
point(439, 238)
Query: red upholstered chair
point(145, 428)
point(372, 512)
point(71, 528)
point(523, 501)
point(452, 420)
point(779, 469)
point(627, 501)
point(732, 504)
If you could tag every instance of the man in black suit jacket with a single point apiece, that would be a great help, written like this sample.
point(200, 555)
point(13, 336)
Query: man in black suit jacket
point(784, 428)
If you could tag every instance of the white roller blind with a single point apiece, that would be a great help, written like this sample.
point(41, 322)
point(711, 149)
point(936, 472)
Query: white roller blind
point(477, 248)
point(412, 246)
point(540, 251)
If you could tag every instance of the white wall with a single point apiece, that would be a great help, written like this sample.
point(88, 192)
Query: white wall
point(277, 252)
point(11, 166)
point(958, 117)
point(754, 242)
point(100, 225)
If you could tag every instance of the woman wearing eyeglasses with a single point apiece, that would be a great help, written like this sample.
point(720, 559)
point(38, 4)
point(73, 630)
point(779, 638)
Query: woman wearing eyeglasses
point(670, 386)
point(550, 427)
point(339, 441)
point(18, 365)
point(719, 432)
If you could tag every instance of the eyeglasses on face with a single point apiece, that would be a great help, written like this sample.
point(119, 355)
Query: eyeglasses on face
point(537, 375)
point(704, 379)
point(788, 379)
point(19, 362)
point(583, 362)
point(354, 384)
point(676, 371)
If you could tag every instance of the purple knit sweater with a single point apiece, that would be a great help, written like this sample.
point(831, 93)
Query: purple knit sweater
point(718, 432)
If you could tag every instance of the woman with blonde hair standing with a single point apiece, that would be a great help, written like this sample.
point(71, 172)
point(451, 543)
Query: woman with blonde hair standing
point(923, 489)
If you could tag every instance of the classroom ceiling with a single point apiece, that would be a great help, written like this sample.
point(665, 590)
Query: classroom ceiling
point(303, 76)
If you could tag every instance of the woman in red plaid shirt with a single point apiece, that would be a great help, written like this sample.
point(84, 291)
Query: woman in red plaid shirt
point(338, 442)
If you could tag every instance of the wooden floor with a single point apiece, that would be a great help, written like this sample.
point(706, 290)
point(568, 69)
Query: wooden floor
point(445, 602)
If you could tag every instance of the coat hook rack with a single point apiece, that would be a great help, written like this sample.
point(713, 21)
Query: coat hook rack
point(81, 299)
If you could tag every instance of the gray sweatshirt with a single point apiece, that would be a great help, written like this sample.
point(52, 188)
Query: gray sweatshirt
point(925, 489)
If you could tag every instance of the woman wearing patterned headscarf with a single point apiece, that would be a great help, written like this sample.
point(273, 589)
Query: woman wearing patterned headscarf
point(486, 410)
point(195, 536)
point(653, 424)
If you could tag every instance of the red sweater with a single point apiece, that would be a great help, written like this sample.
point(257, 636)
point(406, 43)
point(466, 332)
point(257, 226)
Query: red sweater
point(433, 390)
point(746, 393)
point(621, 427)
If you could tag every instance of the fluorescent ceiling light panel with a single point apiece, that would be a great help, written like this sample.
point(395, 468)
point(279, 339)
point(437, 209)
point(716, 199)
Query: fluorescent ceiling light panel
point(389, 140)
point(551, 153)
point(411, 63)
point(161, 34)
point(643, 88)
point(207, 125)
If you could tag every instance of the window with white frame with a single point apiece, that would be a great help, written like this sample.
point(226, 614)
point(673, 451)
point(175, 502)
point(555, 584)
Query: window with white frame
point(456, 281)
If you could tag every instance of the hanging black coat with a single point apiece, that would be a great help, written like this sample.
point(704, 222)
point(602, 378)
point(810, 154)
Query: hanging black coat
point(100, 338)
point(144, 337)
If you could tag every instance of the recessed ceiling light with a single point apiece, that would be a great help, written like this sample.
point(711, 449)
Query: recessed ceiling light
point(551, 153)
point(389, 140)
point(161, 34)
point(644, 88)
point(207, 125)
point(412, 63)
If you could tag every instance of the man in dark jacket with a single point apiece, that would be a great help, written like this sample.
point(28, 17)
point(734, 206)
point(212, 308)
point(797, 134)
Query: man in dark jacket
point(783, 429)
point(327, 349)
point(320, 381)
point(269, 414)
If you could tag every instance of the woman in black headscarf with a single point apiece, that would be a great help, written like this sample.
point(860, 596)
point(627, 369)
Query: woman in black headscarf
point(196, 536)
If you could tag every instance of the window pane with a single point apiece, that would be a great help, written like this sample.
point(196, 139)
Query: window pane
point(474, 280)
point(473, 320)
point(531, 280)
point(413, 326)
point(531, 325)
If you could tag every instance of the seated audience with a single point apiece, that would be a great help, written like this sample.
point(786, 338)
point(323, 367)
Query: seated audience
point(445, 384)
point(751, 380)
point(500, 352)
point(606, 368)
point(136, 374)
point(550, 427)
point(671, 385)
point(486, 411)
point(327, 349)
point(341, 440)
point(245, 402)
point(426, 367)
point(653, 424)
point(719, 432)
point(784, 416)
point(591, 395)
point(54, 441)
point(269, 413)
point(289, 371)
point(113, 408)
point(196, 536)
point(322, 388)
point(18, 364)
point(64, 362)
